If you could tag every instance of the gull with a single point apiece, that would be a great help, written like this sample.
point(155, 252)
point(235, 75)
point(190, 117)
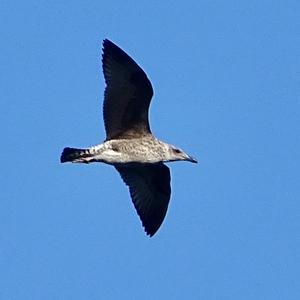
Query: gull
point(129, 145)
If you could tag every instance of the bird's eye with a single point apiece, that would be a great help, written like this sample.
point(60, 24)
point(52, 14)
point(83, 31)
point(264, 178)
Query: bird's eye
point(176, 151)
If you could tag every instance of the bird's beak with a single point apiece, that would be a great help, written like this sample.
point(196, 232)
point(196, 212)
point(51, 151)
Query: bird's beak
point(191, 159)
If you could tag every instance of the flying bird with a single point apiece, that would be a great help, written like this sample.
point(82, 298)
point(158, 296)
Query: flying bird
point(129, 145)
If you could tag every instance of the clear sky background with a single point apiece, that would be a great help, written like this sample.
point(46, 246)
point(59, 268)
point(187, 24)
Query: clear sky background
point(226, 76)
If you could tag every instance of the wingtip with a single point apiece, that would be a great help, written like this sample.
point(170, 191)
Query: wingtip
point(106, 43)
point(107, 47)
point(150, 230)
point(149, 234)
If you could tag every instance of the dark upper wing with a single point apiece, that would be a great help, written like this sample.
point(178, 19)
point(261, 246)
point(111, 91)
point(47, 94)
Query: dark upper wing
point(127, 95)
point(150, 190)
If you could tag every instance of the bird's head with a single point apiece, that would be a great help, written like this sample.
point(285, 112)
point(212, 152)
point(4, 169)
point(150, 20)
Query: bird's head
point(178, 154)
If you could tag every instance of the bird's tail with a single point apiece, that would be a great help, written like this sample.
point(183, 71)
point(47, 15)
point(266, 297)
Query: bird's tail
point(75, 155)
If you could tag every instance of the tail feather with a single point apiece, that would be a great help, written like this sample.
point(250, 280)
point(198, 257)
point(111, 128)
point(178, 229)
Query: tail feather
point(74, 155)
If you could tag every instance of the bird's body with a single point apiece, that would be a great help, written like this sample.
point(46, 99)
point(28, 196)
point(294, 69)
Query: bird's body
point(145, 150)
point(130, 146)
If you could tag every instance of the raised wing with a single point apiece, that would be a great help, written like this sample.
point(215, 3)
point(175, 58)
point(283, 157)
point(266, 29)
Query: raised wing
point(127, 95)
point(149, 187)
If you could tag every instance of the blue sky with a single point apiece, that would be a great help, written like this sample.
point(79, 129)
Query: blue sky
point(227, 90)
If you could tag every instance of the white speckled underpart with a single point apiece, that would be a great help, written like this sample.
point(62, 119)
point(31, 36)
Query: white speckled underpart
point(123, 151)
